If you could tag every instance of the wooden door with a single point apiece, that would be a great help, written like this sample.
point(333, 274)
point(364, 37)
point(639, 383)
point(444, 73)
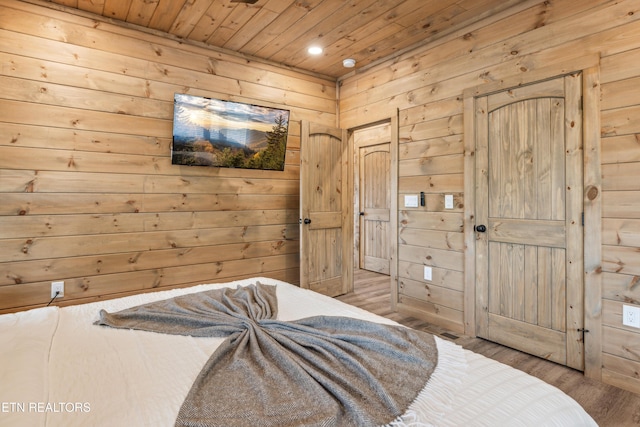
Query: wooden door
point(529, 248)
point(375, 200)
point(326, 228)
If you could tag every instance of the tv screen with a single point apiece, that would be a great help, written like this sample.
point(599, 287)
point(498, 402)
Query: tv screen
point(212, 132)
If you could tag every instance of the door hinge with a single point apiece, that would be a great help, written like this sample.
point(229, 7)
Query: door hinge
point(583, 219)
point(584, 331)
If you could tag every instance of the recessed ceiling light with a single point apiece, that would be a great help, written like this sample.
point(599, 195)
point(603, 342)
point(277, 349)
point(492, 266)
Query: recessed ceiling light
point(315, 50)
point(349, 63)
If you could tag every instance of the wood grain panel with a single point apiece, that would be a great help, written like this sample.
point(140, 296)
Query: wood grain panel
point(431, 238)
point(432, 129)
point(621, 343)
point(431, 312)
point(512, 332)
point(621, 93)
point(436, 165)
point(431, 221)
point(321, 220)
point(619, 121)
point(437, 110)
point(620, 176)
point(621, 259)
point(26, 272)
point(625, 232)
point(549, 89)
point(620, 204)
point(72, 246)
point(449, 183)
point(542, 233)
point(434, 257)
point(431, 293)
point(621, 149)
point(431, 147)
point(164, 278)
point(26, 136)
point(621, 372)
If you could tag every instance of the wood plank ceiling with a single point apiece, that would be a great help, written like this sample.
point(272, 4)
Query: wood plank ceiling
point(281, 31)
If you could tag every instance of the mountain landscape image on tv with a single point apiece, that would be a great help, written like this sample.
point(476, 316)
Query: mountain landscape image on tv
point(212, 132)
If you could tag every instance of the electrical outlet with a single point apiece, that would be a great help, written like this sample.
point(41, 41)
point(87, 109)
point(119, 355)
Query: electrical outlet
point(631, 316)
point(428, 273)
point(57, 287)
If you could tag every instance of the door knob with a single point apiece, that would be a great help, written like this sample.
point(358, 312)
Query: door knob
point(480, 228)
point(307, 221)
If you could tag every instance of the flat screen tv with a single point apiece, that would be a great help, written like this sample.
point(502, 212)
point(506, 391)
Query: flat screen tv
point(212, 132)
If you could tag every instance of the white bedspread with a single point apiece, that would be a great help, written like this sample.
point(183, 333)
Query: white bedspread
point(58, 369)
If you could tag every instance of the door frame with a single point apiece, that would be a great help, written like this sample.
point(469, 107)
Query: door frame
point(393, 208)
point(592, 197)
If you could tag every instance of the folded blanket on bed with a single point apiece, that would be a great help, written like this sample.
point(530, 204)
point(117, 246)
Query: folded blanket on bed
point(318, 371)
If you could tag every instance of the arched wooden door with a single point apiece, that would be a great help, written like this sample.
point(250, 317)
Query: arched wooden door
point(529, 204)
point(326, 212)
point(375, 205)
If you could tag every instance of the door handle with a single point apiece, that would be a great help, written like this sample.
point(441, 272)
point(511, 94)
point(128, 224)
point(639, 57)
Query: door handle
point(480, 228)
point(307, 221)
point(361, 213)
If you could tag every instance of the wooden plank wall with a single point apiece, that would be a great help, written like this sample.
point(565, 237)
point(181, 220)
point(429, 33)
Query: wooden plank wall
point(426, 85)
point(89, 195)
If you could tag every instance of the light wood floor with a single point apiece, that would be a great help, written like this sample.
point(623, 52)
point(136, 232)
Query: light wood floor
point(608, 405)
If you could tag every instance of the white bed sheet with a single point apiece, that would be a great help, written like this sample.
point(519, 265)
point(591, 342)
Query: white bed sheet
point(58, 369)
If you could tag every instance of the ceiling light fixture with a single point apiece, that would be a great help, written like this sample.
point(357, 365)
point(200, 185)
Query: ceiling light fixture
point(349, 63)
point(315, 50)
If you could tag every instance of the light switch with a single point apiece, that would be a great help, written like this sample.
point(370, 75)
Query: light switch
point(411, 201)
point(428, 273)
point(448, 201)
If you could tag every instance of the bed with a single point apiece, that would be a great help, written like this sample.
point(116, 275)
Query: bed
point(58, 368)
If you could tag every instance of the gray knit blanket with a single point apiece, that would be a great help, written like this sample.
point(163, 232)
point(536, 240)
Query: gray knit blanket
point(317, 371)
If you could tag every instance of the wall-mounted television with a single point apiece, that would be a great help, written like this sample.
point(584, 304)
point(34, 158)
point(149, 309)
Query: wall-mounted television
point(213, 132)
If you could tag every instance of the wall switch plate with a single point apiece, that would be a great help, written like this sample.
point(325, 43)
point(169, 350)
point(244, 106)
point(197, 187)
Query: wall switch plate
point(631, 316)
point(448, 201)
point(57, 287)
point(411, 201)
point(428, 273)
